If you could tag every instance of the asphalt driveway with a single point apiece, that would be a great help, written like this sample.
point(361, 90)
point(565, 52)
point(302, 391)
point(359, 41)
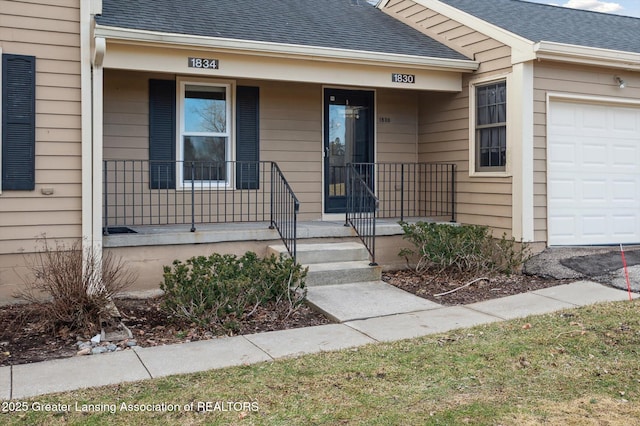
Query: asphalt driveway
point(600, 264)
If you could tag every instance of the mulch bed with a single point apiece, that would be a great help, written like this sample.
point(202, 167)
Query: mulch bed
point(428, 286)
point(23, 339)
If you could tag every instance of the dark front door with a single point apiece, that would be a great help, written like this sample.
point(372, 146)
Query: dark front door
point(348, 138)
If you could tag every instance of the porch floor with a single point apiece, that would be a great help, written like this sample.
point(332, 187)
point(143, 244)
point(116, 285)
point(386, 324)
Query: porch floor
point(246, 231)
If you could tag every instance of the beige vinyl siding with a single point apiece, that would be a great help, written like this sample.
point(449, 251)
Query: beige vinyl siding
point(444, 117)
point(291, 135)
point(559, 78)
point(48, 30)
point(397, 126)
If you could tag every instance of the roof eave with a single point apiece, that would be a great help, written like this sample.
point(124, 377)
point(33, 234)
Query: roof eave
point(521, 47)
point(133, 36)
point(587, 55)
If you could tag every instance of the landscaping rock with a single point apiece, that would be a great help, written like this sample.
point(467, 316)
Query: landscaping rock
point(84, 345)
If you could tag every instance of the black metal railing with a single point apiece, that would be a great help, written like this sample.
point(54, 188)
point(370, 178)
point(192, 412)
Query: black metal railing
point(362, 207)
point(399, 191)
point(407, 190)
point(143, 192)
point(284, 210)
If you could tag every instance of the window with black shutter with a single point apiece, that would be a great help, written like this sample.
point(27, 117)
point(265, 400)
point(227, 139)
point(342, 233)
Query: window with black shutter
point(202, 109)
point(18, 122)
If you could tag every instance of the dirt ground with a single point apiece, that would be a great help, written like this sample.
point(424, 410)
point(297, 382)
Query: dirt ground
point(23, 339)
point(430, 286)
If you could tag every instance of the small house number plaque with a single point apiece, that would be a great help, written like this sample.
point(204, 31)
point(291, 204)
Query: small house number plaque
point(403, 78)
point(203, 63)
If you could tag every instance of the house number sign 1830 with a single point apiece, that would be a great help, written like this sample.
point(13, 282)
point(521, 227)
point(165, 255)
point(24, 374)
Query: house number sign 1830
point(204, 63)
point(403, 78)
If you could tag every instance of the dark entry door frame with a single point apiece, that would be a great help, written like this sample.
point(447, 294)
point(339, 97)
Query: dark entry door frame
point(349, 130)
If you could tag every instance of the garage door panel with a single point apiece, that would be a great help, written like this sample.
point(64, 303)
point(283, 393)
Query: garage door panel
point(624, 226)
point(624, 157)
point(590, 118)
point(593, 178)
point(625, 192)
point(562, 190)
point(594, 154)
point(594, 191)
point(626, 120)
point(563, 154)
point(594, 225)
point(564, 228)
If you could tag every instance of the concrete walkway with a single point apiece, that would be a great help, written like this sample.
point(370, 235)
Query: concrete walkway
point(366, 312)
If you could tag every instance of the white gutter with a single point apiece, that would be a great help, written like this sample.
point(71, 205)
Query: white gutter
point(587, 55)
point(293, 51)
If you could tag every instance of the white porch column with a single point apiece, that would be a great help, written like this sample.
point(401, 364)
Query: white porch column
point(520, 141)
point(97, 121)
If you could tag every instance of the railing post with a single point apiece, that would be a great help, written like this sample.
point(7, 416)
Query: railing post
point(273, 172)
point(105, 194)
point(402, 192)
point(347, 191)
point(294, 249)
point(453, 193)
point(193, 196)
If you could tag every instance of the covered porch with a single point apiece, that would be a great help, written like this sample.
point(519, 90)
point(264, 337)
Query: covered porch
point(195, 138)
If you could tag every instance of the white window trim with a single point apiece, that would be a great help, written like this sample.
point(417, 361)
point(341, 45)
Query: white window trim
point(472, 126)
point(230, 87)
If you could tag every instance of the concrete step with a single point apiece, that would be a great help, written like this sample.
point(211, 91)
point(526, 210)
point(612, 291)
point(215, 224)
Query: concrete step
point(342, 273)
point(325, 253)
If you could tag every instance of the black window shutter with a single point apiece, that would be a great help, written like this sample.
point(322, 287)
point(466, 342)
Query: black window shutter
point(18, 122)
point(247, 137)
point(162, 134)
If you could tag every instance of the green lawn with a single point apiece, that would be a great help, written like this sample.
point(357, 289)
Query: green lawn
point(574, 367)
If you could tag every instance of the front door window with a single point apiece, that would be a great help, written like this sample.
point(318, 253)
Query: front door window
point(348, 139)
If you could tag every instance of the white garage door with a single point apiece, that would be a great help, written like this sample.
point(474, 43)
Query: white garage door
point(593, 177)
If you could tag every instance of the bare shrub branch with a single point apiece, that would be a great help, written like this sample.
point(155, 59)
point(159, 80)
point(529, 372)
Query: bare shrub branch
point(74, 287)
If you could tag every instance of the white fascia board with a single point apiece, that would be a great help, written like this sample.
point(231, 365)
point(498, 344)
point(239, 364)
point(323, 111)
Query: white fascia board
point(521, 48)
point(292, 51)
point(96, 7)
point(587, 55)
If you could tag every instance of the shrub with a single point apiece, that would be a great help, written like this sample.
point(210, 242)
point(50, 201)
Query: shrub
point(73, 288)
point(220, 290)
point(464, 248)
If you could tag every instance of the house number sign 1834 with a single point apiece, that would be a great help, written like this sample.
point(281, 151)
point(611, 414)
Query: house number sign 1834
point(204, 63)
point(403, 78)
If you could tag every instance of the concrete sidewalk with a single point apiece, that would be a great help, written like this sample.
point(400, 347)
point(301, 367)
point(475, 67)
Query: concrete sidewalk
point(368, 313)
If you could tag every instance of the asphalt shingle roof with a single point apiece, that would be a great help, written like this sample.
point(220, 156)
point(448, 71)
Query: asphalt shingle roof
point(342, 24)
point(541, 22)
